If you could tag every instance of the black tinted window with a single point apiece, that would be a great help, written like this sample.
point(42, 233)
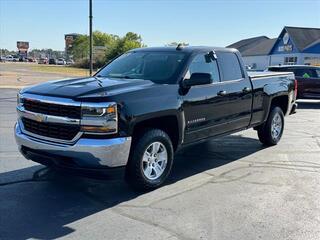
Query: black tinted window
point(305, 73)
point(202, 63)
point(277, 69)
point(230, 66)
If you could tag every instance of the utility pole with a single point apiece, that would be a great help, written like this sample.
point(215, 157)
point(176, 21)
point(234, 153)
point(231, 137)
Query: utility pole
point(91, 37)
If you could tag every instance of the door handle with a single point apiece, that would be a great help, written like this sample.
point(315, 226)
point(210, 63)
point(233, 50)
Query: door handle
point(246, 89)
point(222, 93)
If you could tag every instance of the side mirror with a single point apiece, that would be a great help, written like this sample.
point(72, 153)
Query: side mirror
point(197, 79)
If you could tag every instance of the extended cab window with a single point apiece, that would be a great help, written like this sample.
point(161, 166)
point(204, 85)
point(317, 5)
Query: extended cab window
point(202, 63)
point(230, 66)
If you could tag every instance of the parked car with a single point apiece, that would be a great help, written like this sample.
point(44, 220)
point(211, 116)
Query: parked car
point(308, 78)
point(145, 105)
point(2, 59)
point(52, 61)
point(70, 62)
point(31, 60)
point(9, 58)
point(43, 61)
point(61, 61)
point(16, 58)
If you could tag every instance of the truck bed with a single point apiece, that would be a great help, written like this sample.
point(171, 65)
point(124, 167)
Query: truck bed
point(255, 75)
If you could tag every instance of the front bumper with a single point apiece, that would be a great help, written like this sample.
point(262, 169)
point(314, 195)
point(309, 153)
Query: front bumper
point(85, 153)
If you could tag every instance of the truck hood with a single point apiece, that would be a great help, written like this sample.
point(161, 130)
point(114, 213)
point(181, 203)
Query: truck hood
point(88, 87)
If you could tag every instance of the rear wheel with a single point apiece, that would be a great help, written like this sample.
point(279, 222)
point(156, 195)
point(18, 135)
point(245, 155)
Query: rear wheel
point(150, 160)
point(271, 131)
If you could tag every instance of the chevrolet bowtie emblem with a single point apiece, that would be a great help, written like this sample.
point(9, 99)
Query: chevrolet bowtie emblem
point(40, 118)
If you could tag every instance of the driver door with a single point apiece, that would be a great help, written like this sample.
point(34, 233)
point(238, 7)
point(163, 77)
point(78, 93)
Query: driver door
point(201, 103)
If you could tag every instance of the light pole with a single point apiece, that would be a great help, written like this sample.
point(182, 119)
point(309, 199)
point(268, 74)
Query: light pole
point(90, 38)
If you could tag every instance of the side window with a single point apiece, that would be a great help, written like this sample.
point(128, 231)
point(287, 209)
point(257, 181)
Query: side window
point(305, 73)
point(318, 73)
point(230, 66)
point(203, 64)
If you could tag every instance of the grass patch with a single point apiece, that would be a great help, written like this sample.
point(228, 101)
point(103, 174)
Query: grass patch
point(64, 70)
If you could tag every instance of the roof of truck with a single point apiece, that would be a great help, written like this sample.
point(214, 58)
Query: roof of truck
point(187, 49)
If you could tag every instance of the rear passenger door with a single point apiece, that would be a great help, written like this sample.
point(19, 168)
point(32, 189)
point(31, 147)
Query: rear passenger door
point(236, 87)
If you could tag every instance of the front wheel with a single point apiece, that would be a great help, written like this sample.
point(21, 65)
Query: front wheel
point(271, 131)
point(150, 160)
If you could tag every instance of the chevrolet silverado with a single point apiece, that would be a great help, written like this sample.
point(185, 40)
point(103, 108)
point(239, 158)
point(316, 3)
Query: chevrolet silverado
point(142, 107)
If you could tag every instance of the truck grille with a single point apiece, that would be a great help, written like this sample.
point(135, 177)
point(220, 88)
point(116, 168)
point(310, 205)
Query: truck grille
point(52, 109)
point(51, 130)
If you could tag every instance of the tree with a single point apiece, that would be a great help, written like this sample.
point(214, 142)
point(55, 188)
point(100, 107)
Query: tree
point(49, 53)
point(80, 47)
point(114, 46)
point(5, 52)
point(129, 41)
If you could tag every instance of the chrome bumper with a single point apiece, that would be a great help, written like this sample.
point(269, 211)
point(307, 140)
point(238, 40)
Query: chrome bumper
point(87, 153)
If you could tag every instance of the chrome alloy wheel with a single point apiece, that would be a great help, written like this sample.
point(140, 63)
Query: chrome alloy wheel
point(154, 160)
point(276, 126)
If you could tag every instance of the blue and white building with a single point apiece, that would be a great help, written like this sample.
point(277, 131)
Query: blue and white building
point(295, 45)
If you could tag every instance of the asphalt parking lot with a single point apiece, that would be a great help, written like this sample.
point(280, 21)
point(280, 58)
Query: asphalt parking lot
point(227, 188)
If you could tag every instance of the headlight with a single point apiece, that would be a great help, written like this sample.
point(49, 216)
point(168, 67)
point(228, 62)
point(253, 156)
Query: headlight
point(101, 118)
point(19, 100)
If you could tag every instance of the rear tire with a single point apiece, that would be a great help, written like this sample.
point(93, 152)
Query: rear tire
point(271, 131)
point(150, 160)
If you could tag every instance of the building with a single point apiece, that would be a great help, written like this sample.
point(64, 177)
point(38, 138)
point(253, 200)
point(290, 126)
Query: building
point(69, 39)
point(295, 45)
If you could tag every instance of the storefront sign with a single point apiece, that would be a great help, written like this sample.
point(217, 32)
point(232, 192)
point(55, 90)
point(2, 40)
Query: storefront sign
point(285, 48)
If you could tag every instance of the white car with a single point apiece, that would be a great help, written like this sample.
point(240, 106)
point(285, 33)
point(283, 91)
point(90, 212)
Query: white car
point(61, 61)
point(70, 62)
point(9, 58)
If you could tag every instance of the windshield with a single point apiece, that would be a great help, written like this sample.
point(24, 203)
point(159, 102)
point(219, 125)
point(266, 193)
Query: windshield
point(159, 67)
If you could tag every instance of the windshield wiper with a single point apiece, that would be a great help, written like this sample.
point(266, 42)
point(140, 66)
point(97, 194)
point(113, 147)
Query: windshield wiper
point(121, 76)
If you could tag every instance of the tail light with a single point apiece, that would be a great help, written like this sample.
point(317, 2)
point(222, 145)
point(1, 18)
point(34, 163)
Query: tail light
point(295, 88)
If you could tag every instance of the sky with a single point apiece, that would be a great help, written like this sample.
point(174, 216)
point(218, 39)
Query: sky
point(198, 22)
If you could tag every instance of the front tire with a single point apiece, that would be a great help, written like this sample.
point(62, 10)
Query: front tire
point(150, 160)
point(271, 131)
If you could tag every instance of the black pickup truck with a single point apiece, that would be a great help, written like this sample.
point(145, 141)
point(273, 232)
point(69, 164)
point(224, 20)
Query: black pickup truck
point(138, 110)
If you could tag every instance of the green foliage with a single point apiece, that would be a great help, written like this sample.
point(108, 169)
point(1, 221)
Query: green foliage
point(49, 53)
point(129, 41)
point(5, 52)
point(114, 46)
point(80, 48)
